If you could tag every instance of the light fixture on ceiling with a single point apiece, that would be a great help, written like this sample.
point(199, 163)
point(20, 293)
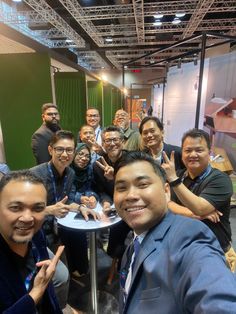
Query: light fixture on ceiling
point(69, 41)
point(157, 23)
point(180, 14)
point(17, 0)
point(104, 77)
point(176, 21)
point(109, 39)
point(125, 67)
point(158, 16)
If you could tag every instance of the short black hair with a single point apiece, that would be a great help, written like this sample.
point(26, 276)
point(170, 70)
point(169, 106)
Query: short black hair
point(150, 118)
point(61, 134)
point(195, 133)
point(20, 176)
point(113, 128)
point(130, 157)
point(48, 105)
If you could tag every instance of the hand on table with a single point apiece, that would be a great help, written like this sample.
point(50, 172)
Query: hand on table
point(89, 201)
point(108, 170)
point(87, 211)
point(44, 276)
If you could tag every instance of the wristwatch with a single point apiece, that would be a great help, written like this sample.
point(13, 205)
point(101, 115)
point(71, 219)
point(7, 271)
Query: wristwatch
point(175, 182)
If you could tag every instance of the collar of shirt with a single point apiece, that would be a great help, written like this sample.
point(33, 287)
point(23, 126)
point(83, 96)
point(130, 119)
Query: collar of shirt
point(140, 237)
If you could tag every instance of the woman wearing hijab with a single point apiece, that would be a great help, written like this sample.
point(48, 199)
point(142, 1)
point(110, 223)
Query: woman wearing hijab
point(76, 241)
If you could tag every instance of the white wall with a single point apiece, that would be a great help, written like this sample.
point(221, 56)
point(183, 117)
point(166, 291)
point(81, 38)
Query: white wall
point(181, 99)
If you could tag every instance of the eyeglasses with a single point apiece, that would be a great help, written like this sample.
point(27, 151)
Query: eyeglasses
point(82, 155)
point(51, 114)
point(61, 150)
point(115, 140)
point(93, 115)
point(121, 115)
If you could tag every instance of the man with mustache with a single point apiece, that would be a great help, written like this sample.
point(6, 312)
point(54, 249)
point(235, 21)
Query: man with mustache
point(131, 137)
point(25, 268)
point(201, 191)
point(41, 137)
point(173, 264)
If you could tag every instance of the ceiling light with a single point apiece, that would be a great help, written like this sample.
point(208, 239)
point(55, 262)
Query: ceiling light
point(158, 16)
point(17, 0)
point(69, 41)
point(180, 14)
point(109, 39)
point(157, 23)
point(176, 21)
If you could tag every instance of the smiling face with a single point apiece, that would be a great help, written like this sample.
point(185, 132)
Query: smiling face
point(121, 119)
point(82, 158)
point(113, 144)
point(140, 196)
point(152, 136)
point(87, 133)
point(22, 207)
point(62, 153)
point(195, 155)
point(93, 118)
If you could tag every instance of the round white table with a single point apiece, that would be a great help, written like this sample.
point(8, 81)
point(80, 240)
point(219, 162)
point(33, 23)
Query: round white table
point(90, 226)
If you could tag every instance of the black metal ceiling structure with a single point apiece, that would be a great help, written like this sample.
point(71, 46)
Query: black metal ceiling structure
point(105, 34)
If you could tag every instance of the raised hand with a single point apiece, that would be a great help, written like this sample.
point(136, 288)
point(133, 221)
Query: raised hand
point(108, 170)
point(169, 166)
point(60, 209)
point(96, 147)
point(44, 275)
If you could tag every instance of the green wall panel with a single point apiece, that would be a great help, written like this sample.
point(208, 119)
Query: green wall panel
point(107, 104)
point(25, 84)
point(70, 91)
point(95, 96)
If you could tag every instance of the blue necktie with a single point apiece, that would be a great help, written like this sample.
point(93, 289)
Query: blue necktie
point(136, 250)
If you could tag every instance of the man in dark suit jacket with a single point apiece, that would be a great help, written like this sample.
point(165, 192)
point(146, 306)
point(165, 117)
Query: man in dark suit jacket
point(25, 268)
point(41, 137)
point(178, 265)
point(152, 135)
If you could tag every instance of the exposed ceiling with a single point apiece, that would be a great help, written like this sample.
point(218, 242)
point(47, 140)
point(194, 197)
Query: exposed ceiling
point(109, 33)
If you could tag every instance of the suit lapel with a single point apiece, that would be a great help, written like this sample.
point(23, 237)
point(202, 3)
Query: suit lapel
point(151, 243)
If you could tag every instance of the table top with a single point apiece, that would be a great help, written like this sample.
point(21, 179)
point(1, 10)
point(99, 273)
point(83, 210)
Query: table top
point(92, 225)
point(222, 162)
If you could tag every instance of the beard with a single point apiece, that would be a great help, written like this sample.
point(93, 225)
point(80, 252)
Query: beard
point(53, 126)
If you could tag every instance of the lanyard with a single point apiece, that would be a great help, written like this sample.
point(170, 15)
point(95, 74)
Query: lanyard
point(30, 276)
point(97, 135)
point(199, 178)
point(57, 197)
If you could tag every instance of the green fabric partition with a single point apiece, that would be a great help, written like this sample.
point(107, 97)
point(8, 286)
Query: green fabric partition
point(70, 91)
point(25, 84)
point(107, 104)
point(95, 96)
point(116, 100)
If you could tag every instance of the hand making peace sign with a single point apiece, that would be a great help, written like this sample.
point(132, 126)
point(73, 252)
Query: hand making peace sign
point(108, 170)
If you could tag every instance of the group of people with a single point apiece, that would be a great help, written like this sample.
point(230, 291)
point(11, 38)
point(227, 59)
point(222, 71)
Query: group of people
point(172, 263)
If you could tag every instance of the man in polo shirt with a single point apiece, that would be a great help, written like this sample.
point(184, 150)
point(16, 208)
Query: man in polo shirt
point(201, 191)
point(93, 119)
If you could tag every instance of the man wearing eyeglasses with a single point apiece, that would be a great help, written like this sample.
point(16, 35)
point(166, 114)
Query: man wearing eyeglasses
point(41, 137)
point(58, 178)
point(131, 137)
point(112, 142)
point(93, 120)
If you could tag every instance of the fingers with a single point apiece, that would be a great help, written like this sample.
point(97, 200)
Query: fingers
point(172, 156)
point(57, 256)
point(100, 165)
point(64, 200)
point(165, 157)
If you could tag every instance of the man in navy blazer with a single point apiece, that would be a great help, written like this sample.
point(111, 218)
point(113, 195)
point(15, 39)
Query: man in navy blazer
point(178, 265)
point(25, 268)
